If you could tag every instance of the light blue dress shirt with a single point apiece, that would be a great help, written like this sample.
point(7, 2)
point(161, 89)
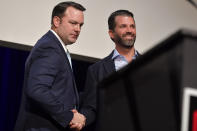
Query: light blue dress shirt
point(120, 61)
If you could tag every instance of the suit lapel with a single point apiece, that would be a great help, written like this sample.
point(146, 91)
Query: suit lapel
point(61, 49)
point(109, 64)
point(64, 55)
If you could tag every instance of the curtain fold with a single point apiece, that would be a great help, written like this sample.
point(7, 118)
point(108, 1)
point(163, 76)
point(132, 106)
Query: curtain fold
point(12, 62)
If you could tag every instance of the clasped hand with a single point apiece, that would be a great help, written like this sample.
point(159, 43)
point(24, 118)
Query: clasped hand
point(78, 121)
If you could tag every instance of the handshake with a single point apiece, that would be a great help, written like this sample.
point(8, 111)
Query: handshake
point(78, 121)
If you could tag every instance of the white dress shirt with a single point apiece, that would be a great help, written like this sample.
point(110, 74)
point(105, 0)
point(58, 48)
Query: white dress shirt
point(64, 46)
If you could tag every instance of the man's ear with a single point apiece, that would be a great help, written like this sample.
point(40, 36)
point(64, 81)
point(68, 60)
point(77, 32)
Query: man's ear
point(56, 21)
point(111, 34)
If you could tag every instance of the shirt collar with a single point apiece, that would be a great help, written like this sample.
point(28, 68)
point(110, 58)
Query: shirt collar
point(116, 54)
point(60, 40)
point(136, 54)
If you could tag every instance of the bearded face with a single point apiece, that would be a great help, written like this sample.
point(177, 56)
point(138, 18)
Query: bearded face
point(124, 33)
point(126, 40)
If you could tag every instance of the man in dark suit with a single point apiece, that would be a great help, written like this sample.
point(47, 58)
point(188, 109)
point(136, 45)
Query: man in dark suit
point(50, 99)
point(122, 31)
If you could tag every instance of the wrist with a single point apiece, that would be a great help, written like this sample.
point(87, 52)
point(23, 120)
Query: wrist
point(84, 118)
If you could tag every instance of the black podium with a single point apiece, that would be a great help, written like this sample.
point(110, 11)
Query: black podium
point(149, 94)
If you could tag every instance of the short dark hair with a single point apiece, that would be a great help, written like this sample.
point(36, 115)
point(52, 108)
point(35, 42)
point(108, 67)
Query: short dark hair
point(111, 19)
point(60, 8)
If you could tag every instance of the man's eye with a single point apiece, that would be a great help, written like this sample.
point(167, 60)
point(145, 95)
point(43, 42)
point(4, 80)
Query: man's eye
point(132, 26)
point(81, 25)
point(73, 23)
point(122, 26)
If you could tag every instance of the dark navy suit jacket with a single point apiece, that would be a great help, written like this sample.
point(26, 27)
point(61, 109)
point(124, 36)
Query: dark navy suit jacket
point(49, 92)
point(96, 73)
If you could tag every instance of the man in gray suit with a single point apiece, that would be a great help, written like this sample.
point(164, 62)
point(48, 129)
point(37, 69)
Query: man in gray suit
point(50, 99)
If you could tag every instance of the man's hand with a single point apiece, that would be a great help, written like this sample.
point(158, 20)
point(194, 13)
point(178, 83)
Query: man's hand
point(78, 121)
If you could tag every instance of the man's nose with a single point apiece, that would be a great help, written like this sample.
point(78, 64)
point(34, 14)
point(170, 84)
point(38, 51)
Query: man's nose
point(77, 28)
point(130, 29)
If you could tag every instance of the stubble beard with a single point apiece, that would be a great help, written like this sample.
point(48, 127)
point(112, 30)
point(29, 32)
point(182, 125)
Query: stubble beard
point(126, 43)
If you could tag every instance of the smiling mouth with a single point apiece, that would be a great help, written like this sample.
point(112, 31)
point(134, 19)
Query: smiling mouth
point(75, 36)
point(129, 37)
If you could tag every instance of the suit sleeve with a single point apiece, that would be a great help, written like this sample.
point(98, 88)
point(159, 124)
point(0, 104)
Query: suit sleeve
point(89, 102)
point(42, 71)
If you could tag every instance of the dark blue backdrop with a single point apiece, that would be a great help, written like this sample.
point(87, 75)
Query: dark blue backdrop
point(12, 62)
